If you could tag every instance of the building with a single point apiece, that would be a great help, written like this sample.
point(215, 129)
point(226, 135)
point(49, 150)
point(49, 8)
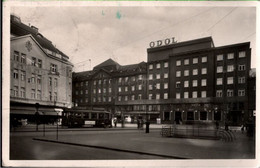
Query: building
point(108, 84)
point(181, 82)
point(41, 75)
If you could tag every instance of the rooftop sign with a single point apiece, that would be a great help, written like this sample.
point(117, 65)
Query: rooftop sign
point(160, 43)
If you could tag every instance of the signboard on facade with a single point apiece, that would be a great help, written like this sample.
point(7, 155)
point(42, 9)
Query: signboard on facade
point(90, 122)
point(160, 43)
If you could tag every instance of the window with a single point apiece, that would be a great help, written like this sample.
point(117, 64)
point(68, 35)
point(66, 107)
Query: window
point(109, 90)
point(230, 68)
point(186, 84)
point(178, 62)
point(119, 98)
point(104, 90)
point(15, 74)
point(204, 59)
point(186, 72)
point(241, 79)
point(186, 62)
point(86, 91)
point(219, 93)
point(194, 83)
point(241, 92)
point(178, 73)
point(242, 54)
point(204, 82)
point(119, 80)
point(33, 94)
point(99, 82)
point(230, 56)
point(194, 94)
point(81, 83)
point(229, 93)
point(165, 86)
point(230, 80)
point(150, 87)
point(133, 78)
point(39, 63)
point(158, 86)
point(53, 68)
point(195, 72)
point(126, 79)
point(203, 94)
point(151, 66)
point(86, 83)
point(140, 77)
point(219, 81)
point(33, 78)
point(16, 91)
point(178, 95)
point(241, 67)
point(186, 95)
point(219, 69)
point(150, 76)
point(166, 64)
point(126, 89)
point(165, 95)
point(220, 57)
point(50, 81)
point(119, 89)
point(86, 100)
point(150, 96)
point(178, 84)
point(95, 82)
point(109, 99)
point(195, 60)
point(158, 65)
point(139, 96)
point(23, 76)
point(158, 76)
point(104, 99)
point(22, 92)
point(33, 63)
point(133, 97)
point(165, 75)
point(16, 56)
point(39, 94)
point(39, 79)
point(23, 58)
point(157, 96)
point(139, 87)
point(133, 88)
point(76, 92)
point(204, 71)
point(99, 99)
point(94, 91)
point(81, 92)
point(94, 99)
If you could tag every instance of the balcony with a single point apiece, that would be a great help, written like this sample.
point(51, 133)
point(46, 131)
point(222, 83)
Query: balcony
point(54, 73)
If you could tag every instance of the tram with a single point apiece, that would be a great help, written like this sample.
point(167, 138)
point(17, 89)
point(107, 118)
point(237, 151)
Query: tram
point(86, 118)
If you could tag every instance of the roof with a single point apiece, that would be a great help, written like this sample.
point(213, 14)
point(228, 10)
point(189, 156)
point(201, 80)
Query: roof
point(108, 62)
point(20, 29)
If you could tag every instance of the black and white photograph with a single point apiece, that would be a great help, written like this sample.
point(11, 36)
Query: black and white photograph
point(129, 84)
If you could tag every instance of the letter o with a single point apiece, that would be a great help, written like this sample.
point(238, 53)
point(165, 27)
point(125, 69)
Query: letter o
point(167, 41)
point(159, 43)
point(152, 44)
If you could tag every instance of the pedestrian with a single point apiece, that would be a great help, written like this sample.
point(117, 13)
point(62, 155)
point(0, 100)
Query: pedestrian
point(242, 129)
point(217, 125)
point(226, 126)
point(115, 122)
point(138, 123)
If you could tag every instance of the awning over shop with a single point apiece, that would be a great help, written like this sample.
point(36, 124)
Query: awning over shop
point(139, 112)
point(32, 110)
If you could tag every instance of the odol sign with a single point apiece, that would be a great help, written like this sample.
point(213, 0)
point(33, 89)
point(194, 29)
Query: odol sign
point(159, 43)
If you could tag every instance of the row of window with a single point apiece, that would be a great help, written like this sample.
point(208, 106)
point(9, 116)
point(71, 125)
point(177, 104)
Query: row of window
point(158, 65)
point(19, 58)
point(230, 68)
point(99, 99)
point(230, 93)
point(194, 94)
point(194, 72)
point(33, 79)
point(230, 80)
point(194, 61)
point(157, 96)
point(95, 82)
point(241, 54)
point(120, 88)
point(158, 76)
point(133, 79)
point(158, 86)
point(194, 83)
point(94, 91)
point(126, 98)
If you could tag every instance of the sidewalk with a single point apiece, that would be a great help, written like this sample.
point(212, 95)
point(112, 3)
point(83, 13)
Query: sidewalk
point(137, 141)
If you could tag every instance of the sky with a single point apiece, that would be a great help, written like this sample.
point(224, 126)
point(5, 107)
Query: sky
point(91, 35)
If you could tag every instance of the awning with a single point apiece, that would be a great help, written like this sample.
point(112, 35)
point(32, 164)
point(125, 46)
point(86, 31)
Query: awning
point(31, 111)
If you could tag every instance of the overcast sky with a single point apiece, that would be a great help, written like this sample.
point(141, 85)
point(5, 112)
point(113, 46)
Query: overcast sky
point(124, 33)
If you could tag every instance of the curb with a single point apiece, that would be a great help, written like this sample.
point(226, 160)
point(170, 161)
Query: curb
point(108, 148)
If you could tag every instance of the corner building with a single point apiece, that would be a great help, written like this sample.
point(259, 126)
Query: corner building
point(203, 82)
point(41, 75)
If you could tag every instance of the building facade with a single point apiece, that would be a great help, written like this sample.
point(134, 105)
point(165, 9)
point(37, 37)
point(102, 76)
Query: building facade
point(181, 82)
point(41, 75)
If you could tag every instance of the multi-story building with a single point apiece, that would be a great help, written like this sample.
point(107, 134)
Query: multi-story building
point(41, 75)
point(182, 82)
point(109, 83)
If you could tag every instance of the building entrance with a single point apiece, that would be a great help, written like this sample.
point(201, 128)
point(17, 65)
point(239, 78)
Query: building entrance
point(190, 115)
point(178, 117)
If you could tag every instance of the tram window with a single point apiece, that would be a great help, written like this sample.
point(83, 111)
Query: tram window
point(78, 115)
point(94, 115)
point(105, 116)
point(86, 115)
point(101, 116)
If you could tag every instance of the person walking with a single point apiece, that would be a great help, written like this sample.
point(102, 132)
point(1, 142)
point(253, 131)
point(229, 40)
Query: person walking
point(138, 123)
point(115, 122)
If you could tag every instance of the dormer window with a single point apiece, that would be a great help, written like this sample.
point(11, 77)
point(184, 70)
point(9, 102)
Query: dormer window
point(53, 68)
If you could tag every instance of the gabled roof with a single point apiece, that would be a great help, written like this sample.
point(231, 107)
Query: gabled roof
point(20, 29)
point(106, 63)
